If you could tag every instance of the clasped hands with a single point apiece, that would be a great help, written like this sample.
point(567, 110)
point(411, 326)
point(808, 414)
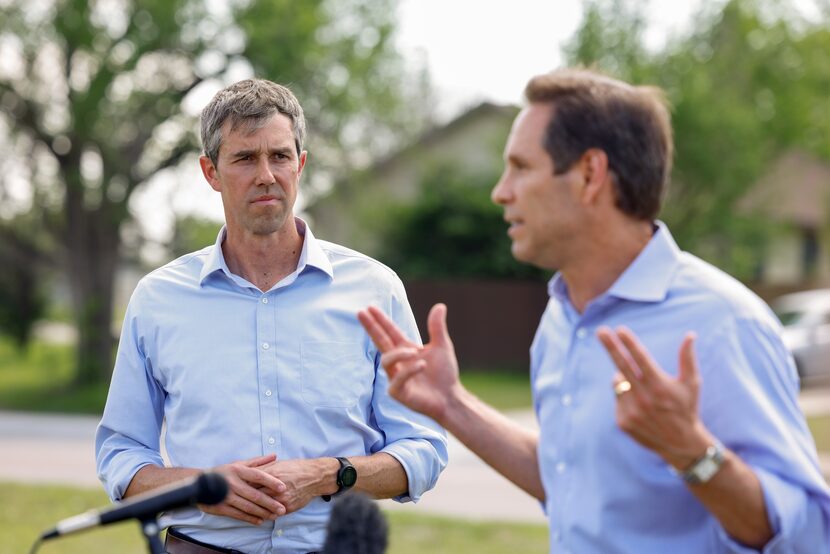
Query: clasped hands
point(264, 488)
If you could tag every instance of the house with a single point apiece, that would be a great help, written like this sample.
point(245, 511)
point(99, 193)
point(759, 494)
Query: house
point(354, 210)
point(794, 195)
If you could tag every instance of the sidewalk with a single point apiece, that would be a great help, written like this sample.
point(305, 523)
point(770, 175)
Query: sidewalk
point(59, 449)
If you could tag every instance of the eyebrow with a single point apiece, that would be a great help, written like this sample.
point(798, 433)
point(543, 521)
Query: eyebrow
point(285, 150)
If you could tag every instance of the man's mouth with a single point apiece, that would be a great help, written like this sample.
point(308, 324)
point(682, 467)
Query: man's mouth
point(265, 200)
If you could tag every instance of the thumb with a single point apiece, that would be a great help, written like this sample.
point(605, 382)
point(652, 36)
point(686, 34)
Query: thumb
point(688, 372)
point(437, 326)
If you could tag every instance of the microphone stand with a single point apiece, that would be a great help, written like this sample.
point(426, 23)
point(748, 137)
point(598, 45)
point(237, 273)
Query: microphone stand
point(150, 528)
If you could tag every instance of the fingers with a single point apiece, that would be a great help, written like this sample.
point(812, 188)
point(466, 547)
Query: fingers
point(260, 460)
point(645, 364)
point(688, 372)
point(405, 372)
point(619, 354)
point(437, 325)
point(382, 330)
point(261, 478)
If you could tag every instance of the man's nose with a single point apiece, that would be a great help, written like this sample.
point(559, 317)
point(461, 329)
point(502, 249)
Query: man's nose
point(501, 191)
point(264, 174)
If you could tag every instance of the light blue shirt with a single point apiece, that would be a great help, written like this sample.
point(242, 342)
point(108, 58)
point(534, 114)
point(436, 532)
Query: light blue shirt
point(238, 373)
point(607, 494)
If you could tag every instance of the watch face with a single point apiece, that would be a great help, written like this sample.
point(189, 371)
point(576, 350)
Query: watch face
point(348, 476)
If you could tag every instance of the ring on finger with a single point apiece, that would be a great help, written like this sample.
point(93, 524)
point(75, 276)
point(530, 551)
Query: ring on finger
point(622, 387)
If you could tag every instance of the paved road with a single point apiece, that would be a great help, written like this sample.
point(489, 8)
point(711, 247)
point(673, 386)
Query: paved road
point(60, 449)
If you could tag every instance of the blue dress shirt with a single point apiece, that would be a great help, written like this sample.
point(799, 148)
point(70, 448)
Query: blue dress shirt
point(237, 373)
point(607, 494)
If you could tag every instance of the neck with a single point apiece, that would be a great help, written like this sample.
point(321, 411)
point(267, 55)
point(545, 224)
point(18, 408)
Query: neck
point(263, 259)
point(606, 256)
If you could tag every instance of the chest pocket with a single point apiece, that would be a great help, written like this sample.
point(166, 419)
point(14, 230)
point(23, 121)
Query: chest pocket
point(335, 374)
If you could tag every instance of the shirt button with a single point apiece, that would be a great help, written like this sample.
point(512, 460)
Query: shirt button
point(581, 333)
point(561, 467)
point(264, 299)
point(279, 532)
point(271, 440)
point(268, 393)
point(566, 400)
point(265, 346)
point(557, 536)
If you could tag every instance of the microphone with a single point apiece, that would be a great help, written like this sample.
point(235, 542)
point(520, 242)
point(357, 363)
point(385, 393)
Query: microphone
point(356, 526)
point(207, 488)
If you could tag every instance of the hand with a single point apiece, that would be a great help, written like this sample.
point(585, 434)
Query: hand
point(302, 479)
point(425, 378)
point(250, 492)
point(657, 411)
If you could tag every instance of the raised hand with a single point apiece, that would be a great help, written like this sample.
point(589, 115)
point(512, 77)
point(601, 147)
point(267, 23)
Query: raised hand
point(251, 492)
point(424, 378)
point(656, 410)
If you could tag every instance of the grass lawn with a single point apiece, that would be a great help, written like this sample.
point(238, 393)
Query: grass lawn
point(38, 379)
point(28, 510)
point(820, 428)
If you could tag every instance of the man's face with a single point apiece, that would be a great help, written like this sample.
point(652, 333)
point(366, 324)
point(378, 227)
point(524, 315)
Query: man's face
point(257, 173)
point(543, 209)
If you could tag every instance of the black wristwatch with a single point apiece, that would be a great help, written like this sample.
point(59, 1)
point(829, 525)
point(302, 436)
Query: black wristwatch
point(346, 478)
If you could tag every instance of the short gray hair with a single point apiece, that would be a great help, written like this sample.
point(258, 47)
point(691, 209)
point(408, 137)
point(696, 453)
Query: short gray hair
point(251, 102)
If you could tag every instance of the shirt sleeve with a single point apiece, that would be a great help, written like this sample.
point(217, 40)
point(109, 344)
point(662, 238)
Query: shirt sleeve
point(749, 401)
point(416, 441)
point(127, 438)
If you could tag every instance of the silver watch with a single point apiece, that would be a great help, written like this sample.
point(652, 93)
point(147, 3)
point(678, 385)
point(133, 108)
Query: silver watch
point(705, 467)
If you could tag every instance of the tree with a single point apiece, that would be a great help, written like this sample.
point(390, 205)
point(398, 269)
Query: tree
point(452, 230)
point(748, 82)
point(95, 93)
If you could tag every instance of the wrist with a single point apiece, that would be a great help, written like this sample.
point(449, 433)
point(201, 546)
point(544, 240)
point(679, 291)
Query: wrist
point(327, 469)
point(683, 455)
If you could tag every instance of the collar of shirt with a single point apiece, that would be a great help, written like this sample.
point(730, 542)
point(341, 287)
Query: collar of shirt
point(312, 255)
point(648, 277)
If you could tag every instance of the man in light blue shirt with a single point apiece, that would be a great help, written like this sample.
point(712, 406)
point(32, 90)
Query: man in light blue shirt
point(666, 400)
point(249, 350)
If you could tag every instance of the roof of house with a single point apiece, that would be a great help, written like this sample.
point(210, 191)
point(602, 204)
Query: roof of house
point(795, 189)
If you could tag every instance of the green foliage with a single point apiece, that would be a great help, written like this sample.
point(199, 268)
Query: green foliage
point(94, 94)
point(29, 509)
point(39, 378)
point(748, 82)
point(192, 233)
point(451, 230)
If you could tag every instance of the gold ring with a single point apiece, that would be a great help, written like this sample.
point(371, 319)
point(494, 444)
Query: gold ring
point(622, 387)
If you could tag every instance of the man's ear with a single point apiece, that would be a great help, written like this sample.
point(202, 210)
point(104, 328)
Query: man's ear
point(596, 175)
point(210, 172)
point(302, 159)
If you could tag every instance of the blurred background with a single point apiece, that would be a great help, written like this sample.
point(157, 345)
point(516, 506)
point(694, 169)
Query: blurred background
point(409, 103)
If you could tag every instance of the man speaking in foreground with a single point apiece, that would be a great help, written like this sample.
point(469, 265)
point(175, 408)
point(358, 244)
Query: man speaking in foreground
point(666, 400)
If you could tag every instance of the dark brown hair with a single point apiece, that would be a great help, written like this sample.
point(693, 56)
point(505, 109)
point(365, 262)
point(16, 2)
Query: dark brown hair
point(631, 124)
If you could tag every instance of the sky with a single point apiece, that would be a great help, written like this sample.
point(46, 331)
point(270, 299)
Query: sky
point(487, 49)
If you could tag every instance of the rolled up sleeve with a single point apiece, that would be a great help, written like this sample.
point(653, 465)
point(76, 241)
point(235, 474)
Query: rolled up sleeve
point(416, 441)
point(127, 437)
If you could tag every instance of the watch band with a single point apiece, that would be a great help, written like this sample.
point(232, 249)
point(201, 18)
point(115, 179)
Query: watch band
point(705, 467)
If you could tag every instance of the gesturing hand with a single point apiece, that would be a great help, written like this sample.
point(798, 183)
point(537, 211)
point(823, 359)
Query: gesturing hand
point(250, 492)
point(656, 410)
point(421, 377)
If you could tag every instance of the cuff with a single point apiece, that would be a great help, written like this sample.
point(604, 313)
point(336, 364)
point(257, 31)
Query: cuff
point(422, 464)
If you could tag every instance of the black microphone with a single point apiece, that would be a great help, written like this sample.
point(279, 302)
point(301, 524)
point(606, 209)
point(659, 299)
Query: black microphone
point(207, 488)
point(356, 526)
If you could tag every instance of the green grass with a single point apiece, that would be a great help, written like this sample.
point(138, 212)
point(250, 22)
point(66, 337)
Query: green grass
point(28, 510)
point(502, 390)
point(38, 379)
point(820, 428)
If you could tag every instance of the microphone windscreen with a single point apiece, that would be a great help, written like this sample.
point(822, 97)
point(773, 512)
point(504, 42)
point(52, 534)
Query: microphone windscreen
point(356, 526)
point(212, 488)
